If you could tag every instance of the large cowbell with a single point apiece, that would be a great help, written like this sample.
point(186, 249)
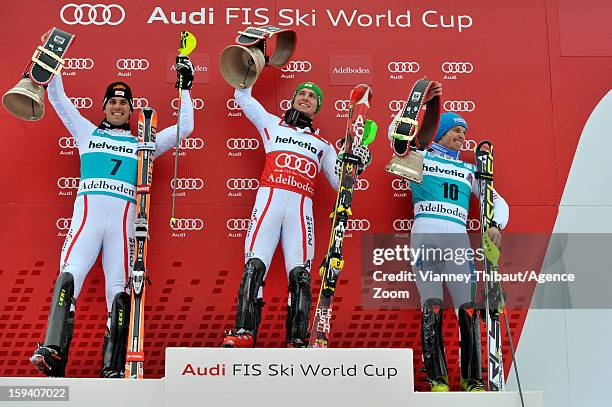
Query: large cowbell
point(241, 64)
point(26, 100)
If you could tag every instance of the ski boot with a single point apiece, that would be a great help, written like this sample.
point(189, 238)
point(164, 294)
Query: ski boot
point(50, 360)
point(439, 384)
point(472, 385)
point(240, 338)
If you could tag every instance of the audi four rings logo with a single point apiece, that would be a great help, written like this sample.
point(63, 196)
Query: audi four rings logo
point(78, 63)
point(339, 143)
point(188, 224)
point(342, 105)
point(400, 185)
point(66, 142)
point(396, 105)
point(82, 103)
point(403, 67)
point(187, 183)
point(242, 183)
point(358, 225)
point(468, 145)
point(192, 143)
point(131, 64)
point(472, 224)
point(68, 182)
point(402, 225)
point(232, 104)
point(459, 106)
point(96, 14)
point(457, 67)
point(293, 162)
point(297, 66)
point(285, 104)
point(362, 184)
point(198, 104)
point(242, 143)
point(238, 224)
point(63, 223)
point(139, 103)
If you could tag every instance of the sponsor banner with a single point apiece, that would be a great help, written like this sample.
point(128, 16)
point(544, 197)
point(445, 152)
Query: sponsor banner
point(350, 69)
point(201, 65)
point(367, 375)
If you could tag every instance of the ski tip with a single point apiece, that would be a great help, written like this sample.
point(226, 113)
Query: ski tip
point(188, 43)
point(361, 93)
point(484, 145)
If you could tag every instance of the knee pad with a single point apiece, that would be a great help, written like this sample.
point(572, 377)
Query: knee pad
point(116, 337)
point(434, 356)
point(252, 280)
point(298, 312)
point(61, 320)
point(470, 345)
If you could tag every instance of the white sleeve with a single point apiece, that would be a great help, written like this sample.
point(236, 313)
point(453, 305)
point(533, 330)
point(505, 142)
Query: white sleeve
point(501, 210)
point(79, 127)
point(253, 110)
point(166, 139)
point(328, 164)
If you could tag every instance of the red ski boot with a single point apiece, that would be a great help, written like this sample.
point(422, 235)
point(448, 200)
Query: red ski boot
point(240, 338)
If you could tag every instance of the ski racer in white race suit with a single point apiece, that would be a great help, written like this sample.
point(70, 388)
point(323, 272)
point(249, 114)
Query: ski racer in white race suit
point(295, 154)
point(103, 218)
point(441, 203)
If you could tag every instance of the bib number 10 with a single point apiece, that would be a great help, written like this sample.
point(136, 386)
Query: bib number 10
point(451, 191)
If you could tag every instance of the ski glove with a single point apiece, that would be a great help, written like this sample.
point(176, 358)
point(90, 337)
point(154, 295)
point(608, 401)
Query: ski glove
point(365, 158)
point(184, 72)
point(491, 251)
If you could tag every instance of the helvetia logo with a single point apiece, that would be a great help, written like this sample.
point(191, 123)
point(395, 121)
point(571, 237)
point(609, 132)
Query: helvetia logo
point(214, 370)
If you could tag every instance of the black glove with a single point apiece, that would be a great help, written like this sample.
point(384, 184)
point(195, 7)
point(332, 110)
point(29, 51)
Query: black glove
point(184, 72)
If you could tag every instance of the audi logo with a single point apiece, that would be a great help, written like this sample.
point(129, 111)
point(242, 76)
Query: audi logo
point(459, 106)
point(242, 183)
point(402, 225)
point(238, 224)
point(188, 224)
point(362, 184)
point(358, 225)
point(78, 63)
point(457, 67)
point(187, 183)
point(82, 103)
point(63, 223)
point(192, 143)
point(400, 185)
point(297, 66)
point(96, 14)
point(139, 103)
point(293, 162)
point(130, 64)
point(473, 224)
point(232, 104)
point(68, 182)
point(468, 145)
point(242, 143)
point(342, 105)
point(198, 104)
point(66, 142)
point(285, 104)
point(403, 67)
point(339, 143)
point(397, 105)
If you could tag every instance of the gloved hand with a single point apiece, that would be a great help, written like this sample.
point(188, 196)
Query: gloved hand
point(184, 72)
point(363, 152)
point(491, 251)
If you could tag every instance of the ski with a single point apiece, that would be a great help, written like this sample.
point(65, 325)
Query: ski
point(147, 127)
point(358, 130)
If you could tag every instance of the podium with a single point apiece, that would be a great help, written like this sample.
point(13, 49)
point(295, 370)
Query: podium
point(217, 377)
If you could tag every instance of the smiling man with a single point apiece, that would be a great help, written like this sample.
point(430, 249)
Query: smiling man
point(295, 154)
point(103, 218)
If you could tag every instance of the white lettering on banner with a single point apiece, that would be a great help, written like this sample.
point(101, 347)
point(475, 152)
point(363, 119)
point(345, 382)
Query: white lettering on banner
point(203, 16)
point(432, 19)
point(292, 17)
point(367, 20)
point(250, 16)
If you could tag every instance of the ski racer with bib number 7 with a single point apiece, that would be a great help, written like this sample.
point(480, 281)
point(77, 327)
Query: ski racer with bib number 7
point(103, 218)
point(295, 154)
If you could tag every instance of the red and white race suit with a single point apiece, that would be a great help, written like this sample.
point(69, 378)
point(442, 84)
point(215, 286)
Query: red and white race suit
point(283, 207)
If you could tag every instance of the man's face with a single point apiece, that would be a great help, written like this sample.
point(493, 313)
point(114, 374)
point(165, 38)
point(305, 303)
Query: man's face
point(117, 111)
point(306, 102)
point(454, 138)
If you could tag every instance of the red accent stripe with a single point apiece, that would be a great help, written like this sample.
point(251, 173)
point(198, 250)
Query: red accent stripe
point(267, 134)
point(79, 231)
point(125, 241)
point(304, 247)
point(261, 219)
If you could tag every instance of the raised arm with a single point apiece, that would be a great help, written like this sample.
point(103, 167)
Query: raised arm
point(166, 139)
point(253, 110)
